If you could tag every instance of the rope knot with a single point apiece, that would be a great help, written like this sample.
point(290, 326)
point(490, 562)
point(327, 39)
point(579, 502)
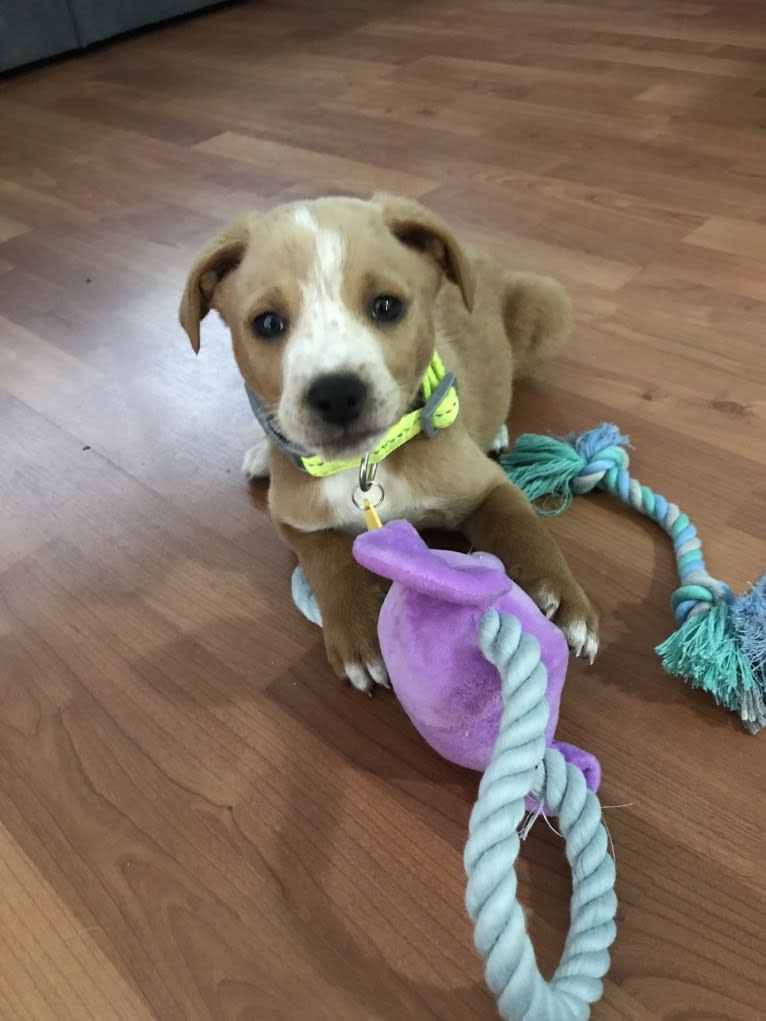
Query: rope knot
point(604, 450)
point(611, 459)
point(546, 467)
point(699, 592)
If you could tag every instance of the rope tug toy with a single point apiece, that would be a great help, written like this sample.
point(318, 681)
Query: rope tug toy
point(720, 643)
point(480, 672)
point(521, 765)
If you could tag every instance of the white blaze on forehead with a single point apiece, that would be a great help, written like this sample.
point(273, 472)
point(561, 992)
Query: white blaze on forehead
point(327, 271)
point(328, 337)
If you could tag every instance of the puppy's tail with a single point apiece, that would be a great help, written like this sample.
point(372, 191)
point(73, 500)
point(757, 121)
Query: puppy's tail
point(537, 314)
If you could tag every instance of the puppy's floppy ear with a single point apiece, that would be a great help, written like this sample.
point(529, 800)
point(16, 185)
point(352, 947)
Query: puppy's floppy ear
point(417, 227)
point(219, 256)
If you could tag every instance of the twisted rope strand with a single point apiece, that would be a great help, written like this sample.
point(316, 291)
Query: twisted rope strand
point(699, 590)
point(521, 765)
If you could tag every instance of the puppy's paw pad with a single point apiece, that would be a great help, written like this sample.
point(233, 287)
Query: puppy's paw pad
point(576, 634)
point(379, 673)
point(571, 612)
point(255, 464)
point(581, 633)
point(547, 600)
point(590, 649)
point(365, 677)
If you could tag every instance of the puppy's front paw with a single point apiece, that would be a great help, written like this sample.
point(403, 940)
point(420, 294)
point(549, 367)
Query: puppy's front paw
point(352, 645)
point(364, 676)
point(255, 464)
point(565, 603)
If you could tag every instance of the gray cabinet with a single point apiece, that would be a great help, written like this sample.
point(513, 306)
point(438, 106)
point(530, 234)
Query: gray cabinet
point(100, 19)
point(35, 29)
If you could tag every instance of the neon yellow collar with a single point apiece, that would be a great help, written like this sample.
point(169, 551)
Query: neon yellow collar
point(439, 411)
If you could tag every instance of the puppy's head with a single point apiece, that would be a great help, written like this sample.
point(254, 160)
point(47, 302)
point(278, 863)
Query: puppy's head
point(330, 305)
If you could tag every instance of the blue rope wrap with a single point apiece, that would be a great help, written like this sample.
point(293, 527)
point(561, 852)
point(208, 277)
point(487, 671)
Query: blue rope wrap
point(521, 765)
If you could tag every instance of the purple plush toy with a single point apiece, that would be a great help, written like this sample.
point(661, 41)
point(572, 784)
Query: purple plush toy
point(427, 630)
point(480, 672)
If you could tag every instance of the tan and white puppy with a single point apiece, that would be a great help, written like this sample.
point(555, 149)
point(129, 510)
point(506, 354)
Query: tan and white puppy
point(335, 307)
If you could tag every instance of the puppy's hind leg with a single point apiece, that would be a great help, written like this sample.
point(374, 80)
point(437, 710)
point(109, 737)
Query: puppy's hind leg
point(537, 315)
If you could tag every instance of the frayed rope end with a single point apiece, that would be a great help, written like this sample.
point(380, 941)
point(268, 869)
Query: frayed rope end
point(722, 651)
point(749, 615)
point(545, 467)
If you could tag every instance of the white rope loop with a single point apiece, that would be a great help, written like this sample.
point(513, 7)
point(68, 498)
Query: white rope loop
point(522, 765)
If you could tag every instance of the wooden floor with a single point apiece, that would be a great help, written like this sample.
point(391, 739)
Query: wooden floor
point(196, 820)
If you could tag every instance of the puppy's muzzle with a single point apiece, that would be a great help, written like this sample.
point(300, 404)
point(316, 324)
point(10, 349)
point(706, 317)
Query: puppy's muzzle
point(338, 399)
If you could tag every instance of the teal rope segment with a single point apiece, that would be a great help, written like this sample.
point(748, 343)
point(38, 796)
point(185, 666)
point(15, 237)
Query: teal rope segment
point(521, 765)
point(717, 646)
point(697, 585)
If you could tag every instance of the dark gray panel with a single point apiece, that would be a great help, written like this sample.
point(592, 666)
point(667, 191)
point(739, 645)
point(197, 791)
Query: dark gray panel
point(101, 19)
point(34, 29)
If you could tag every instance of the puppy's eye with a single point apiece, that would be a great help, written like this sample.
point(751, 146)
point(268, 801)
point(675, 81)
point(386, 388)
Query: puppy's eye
point(269, 325)
point(386, 309)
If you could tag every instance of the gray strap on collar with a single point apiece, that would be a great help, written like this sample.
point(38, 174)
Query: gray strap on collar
point(267, 423)
point(433, 402)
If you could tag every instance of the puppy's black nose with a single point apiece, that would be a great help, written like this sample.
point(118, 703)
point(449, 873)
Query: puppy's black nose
point(338, 398)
